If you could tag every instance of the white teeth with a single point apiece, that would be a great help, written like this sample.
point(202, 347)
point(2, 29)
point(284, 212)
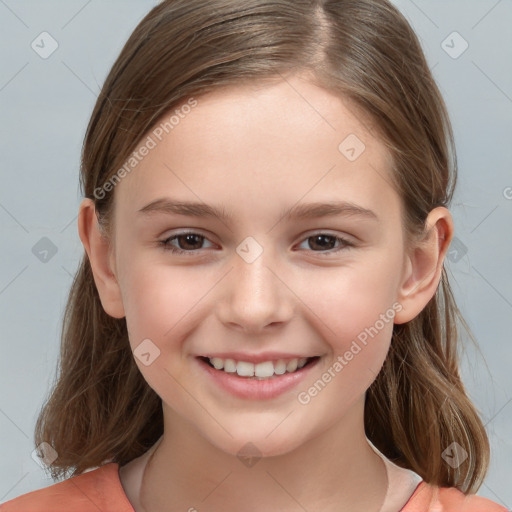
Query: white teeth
point(265, 369)
point(229, 366)
point(217, 362)
point(292, 365)
point(262, 370)
point(245, 369)
point(280, 367)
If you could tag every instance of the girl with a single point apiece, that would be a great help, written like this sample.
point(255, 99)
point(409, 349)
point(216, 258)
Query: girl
point(262, 319)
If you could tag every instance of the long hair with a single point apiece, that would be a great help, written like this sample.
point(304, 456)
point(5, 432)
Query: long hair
point(100, 408)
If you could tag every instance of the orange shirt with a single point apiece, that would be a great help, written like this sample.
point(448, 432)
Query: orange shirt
point(100, 490)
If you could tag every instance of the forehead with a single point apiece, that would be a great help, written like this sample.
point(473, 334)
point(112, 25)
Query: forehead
point(271, 138)
point(252, 112)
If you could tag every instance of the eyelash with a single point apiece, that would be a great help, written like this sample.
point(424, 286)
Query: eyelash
point(165, 244)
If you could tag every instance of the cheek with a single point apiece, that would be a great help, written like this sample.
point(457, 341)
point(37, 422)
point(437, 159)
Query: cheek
point(353, 312)
point(347, 301)
point(161, 304)
point(356, 324)
point(157, 298)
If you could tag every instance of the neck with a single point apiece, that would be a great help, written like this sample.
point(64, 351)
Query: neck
point(335, 471)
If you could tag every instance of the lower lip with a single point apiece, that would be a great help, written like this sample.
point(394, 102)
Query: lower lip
point(254, 389)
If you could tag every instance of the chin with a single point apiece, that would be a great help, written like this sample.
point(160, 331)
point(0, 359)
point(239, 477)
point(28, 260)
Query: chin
point(257, 443)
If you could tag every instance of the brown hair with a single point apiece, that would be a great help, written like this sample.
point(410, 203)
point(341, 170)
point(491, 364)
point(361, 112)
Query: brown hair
point(101, 409)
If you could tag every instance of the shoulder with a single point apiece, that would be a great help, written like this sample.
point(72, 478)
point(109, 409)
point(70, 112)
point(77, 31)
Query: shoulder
point(454, 500)
point(428, 498)
point(98, 489)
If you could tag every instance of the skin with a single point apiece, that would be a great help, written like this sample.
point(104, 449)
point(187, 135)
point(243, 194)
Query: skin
point(254, 151)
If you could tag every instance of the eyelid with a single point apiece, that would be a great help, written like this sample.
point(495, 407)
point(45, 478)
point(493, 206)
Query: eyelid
point(329, 232)
point(173, 236)
point(346, 242)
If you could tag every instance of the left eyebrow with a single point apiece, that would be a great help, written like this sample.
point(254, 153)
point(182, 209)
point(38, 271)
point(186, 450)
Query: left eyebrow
point(300, 211)
point(315, 210)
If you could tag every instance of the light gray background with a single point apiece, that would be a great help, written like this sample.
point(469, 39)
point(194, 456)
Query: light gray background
point(45, 107)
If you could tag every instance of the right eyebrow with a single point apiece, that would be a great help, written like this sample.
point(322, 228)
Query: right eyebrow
point(187, 208)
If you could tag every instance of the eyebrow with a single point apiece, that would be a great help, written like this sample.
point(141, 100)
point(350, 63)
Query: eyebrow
point(299, 211)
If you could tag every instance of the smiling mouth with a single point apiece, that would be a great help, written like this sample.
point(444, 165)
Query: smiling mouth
point(259, 371)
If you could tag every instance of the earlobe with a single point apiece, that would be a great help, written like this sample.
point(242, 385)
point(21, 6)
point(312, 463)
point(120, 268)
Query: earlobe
point(424, 265)
point(100, 253)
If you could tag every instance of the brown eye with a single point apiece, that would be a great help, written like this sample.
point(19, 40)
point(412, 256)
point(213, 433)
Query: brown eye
point(187, 243)
point(324, 242)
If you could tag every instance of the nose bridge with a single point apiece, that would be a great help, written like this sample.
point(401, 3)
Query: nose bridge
point(256, 297)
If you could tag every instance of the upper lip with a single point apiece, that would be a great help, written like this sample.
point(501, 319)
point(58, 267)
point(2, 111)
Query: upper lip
point(256, 358)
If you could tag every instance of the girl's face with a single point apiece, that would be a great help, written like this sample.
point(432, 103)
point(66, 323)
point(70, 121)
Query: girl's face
point(258, 284)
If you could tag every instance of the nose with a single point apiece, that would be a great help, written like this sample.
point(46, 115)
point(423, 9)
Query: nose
point(255, 296)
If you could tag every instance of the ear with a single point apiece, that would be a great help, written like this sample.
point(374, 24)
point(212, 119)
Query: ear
point(101, 258)
point(424, 265)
